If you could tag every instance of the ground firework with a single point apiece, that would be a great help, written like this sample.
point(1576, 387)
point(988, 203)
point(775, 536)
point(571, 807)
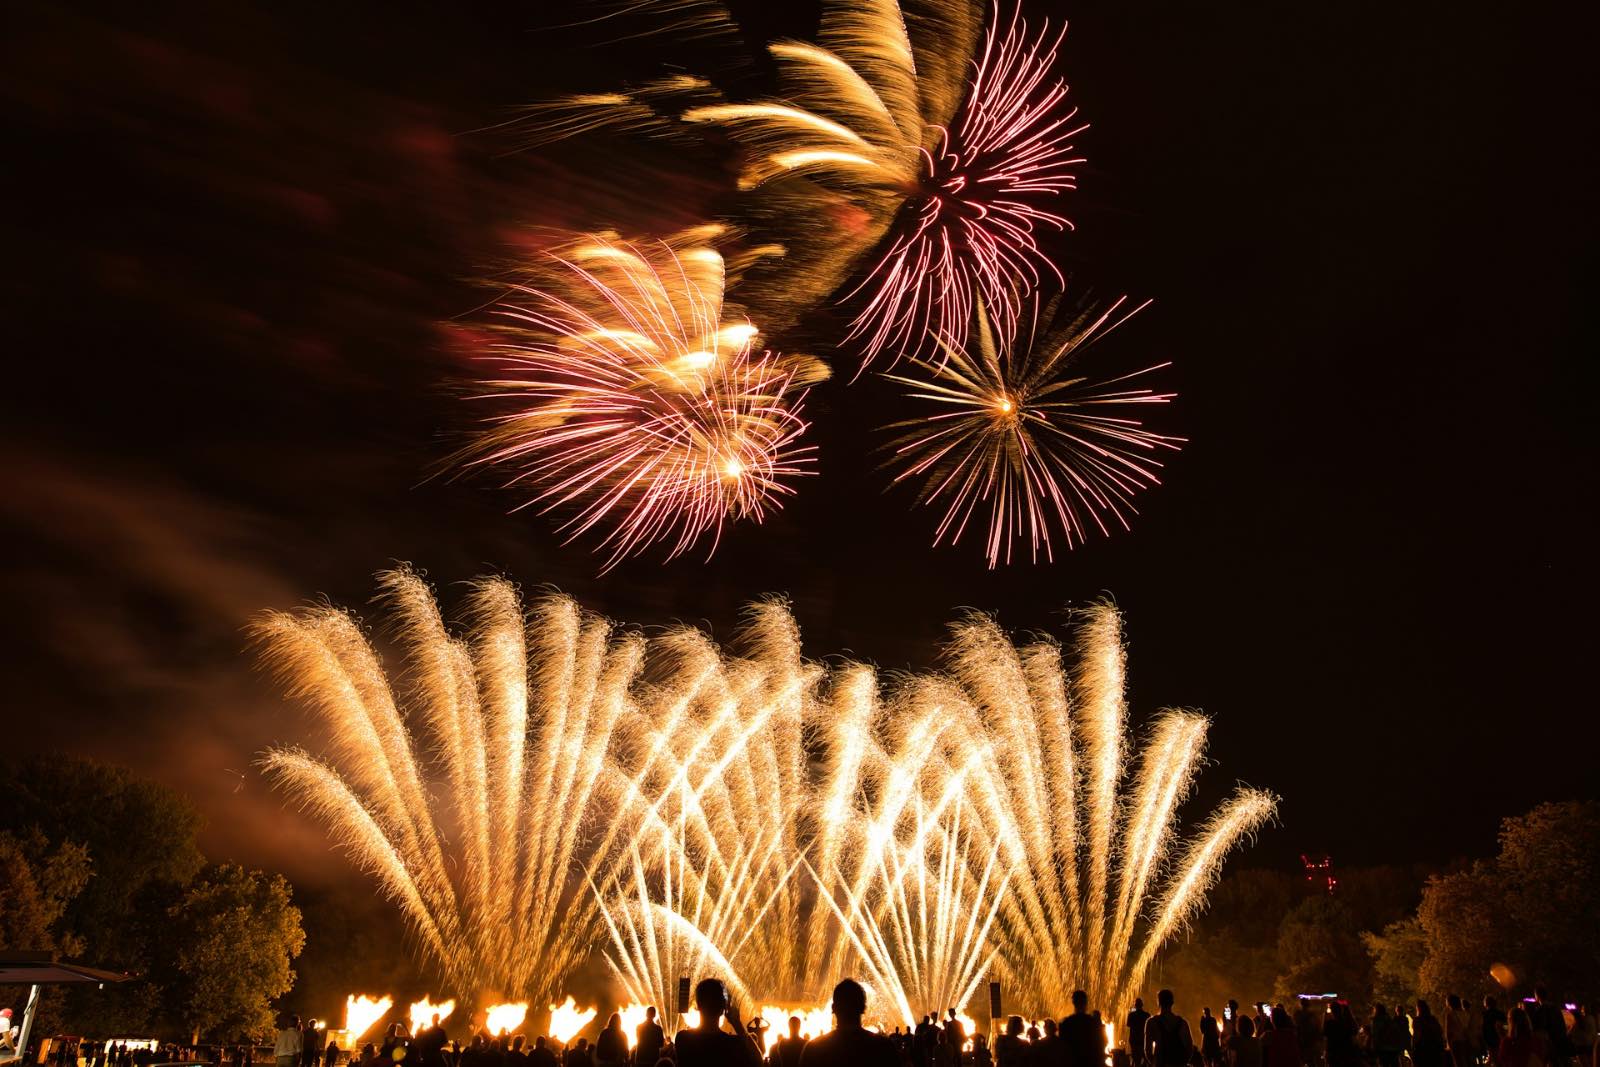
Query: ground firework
point(1020, 445)
point(640, 407)
point(683, 809)
point(969, 232)
point(519, 714)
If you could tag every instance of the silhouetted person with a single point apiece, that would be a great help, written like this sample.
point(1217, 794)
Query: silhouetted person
point(786, 1053)
point(1210, 1038)
point(1549, 1020)
point(1083, 1035)
point(541, 1056)
point(611, 1047)
point(1520, 1046)
point(1427, 1038)
point(980, 1052)
point(1281, 1048)
point(1009, 1048)
point(1244, 1048)
point(708, 1045)
point(1167, 1034)
point(1050, 1050)
point(849, 1044)
point(1135, 1023)
point(330, 1055)
point(648, 1039)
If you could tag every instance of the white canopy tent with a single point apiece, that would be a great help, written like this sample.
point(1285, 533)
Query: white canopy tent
point(34, 969)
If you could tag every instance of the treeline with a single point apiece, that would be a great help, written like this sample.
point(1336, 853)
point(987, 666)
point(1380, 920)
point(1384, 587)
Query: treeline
point(101, 867)
point(1390, 934)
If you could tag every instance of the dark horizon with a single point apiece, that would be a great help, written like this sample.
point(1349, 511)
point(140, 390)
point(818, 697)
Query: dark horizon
point(244, 252)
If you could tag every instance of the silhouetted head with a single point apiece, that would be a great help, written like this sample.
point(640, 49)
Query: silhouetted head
point(1423, 1011)
point(794, 1026)
point(1014, 1026)
point(1280, 1018)
point(1050, 1028)
point(516, 1042)
point(1488, 1003)
point(1080, 1001)
point(1246, 1027)
point(650, 1013)
point(711, 998)
point(614, 1023)
point(849, 1002)
point(1163, 998)
point(538, 1042)
point(1541, 993)
point(1452, 1001)
point(1138, 1004)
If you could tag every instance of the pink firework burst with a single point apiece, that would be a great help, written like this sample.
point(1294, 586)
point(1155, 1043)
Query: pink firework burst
point(969, 231)
point(640, 407)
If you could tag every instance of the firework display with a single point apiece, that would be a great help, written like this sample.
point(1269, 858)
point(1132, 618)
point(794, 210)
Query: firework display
point(640, 404)
point(554, 786)
point(905, 166)
point(1017, 442)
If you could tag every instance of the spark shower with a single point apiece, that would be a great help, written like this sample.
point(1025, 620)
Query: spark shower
point(547, 787)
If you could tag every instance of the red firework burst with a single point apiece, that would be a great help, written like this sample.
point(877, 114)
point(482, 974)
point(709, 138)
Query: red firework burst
point(969, 233)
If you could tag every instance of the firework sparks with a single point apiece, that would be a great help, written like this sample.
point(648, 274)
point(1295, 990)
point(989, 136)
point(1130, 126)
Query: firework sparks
point(704, 806)
point(520, 714)
point(969, 233)
point(640, 405)
point(1021, 445)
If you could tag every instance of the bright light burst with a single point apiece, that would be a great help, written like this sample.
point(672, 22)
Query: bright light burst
point(473, 827)
point(755, 815)
point(422, 1012)
point(969, 232)
point(567, 1020)
point(506, 1018)
point(363, 1012)
point(1021, 445)
point(640, 407)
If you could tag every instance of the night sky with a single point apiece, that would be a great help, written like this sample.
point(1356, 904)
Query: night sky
point(241, 250)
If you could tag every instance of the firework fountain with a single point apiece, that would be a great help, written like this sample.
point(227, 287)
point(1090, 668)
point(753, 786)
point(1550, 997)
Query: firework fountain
point(688, 809)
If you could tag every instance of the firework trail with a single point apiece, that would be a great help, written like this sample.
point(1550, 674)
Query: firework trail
point(968, 232)
point(1020, 445)
point(640, 406)
point(687, 809)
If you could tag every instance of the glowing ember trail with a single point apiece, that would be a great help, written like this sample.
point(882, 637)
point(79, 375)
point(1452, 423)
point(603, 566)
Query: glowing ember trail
point(752, 814)
point(1021, 446)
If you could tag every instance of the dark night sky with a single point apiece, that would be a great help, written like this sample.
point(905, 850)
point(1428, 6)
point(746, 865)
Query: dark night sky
point(236, 241)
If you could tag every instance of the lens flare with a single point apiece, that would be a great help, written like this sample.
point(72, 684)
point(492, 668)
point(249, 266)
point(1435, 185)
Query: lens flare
point(632, 401)
point(687, 809)
point(1016, 443)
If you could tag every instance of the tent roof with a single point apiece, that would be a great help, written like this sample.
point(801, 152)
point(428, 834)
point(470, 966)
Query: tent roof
point(37, 968)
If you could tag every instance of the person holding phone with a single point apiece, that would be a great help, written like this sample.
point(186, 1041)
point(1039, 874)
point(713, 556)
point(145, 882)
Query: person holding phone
point(708, 1045)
